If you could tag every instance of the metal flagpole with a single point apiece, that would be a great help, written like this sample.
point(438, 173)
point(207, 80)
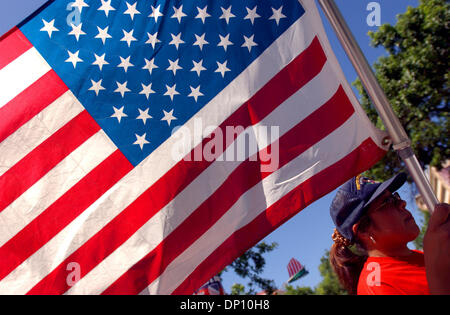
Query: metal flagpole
point(401, 141)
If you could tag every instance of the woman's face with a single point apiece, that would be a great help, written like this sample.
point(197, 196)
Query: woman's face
point(391, 224)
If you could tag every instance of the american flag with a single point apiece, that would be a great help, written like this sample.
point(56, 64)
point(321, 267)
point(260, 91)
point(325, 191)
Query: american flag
point(295, 270)
point(212, 287)
point(94, 96)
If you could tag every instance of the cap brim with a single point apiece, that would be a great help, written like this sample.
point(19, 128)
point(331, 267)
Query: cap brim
point(391, 184)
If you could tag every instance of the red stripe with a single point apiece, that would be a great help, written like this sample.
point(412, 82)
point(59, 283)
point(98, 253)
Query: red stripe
point(292, 269)
point(317, 126)
point(293, 265)
point(300, 71)
point(12, 45)
point(62, 212)
point(362, 158)
point(44, 157)
point(30, 102)
point(297, 266)
point(290, 272)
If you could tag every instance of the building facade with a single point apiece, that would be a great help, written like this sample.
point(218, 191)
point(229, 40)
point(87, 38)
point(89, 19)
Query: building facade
point(440, 182)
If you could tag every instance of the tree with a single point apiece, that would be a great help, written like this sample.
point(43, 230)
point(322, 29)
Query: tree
point(418, 242)
point(237, 289)
point(290, 290)
point(330, 283)
point(250, 266)
point(415, 77)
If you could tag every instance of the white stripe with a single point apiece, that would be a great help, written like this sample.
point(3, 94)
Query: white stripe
point(146, 174)
point(55, 183)
point(20, 74)
point(258, 199)
point(38, 129)
point(148, 236)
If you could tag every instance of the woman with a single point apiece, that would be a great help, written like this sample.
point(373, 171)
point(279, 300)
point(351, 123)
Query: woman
point(370, 254)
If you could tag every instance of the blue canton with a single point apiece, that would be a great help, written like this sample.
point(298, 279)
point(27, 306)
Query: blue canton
point(141, 68)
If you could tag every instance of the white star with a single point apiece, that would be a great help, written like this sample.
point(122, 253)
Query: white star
point(140, 140)
point(226, 14)
point(100, 61)
point(174, 66)
point(96, 86)
point(150, 65)
point(168, 116)
point(200, 41)
point(131, 11)
point(152, 39)
point(128, 37)
point(49, 27)
point(155, 13)
point(195, 93)
point(176, 40)
point(249, 43)
point(224, 41)
point(143, 115)
point(103, 34)
point(198, 67)
point(179, 14)
point(252, 15)
point(119, 114)
point(73, 58)
point(106, 7)
point(147, 90)
point(202, 14)
point(222, 68)
point(125, 63)
point(77, 31)
point(277, 15)
point(171, 91)
point(122, 88)
point(80, 4)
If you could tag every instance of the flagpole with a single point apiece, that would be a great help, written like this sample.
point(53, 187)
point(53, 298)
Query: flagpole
point(401, 141)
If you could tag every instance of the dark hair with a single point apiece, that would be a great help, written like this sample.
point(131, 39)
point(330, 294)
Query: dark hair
point(347, 261)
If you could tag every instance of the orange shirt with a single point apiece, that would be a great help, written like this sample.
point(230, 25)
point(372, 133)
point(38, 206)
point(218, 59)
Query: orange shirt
point(394, 276)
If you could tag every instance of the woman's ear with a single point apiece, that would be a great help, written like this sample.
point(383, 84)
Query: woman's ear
point(360, 234)
point(355, 229)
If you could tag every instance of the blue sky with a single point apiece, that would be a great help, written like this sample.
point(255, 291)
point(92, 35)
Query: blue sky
point(307, 235)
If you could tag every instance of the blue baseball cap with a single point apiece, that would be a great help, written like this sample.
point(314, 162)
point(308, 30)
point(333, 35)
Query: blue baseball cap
point(353, 198)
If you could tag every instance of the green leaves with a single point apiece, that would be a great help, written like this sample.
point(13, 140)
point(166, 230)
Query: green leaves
point(249, 266)
point(415, 78)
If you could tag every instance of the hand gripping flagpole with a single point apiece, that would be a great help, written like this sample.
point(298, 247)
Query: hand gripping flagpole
point(401, 141)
